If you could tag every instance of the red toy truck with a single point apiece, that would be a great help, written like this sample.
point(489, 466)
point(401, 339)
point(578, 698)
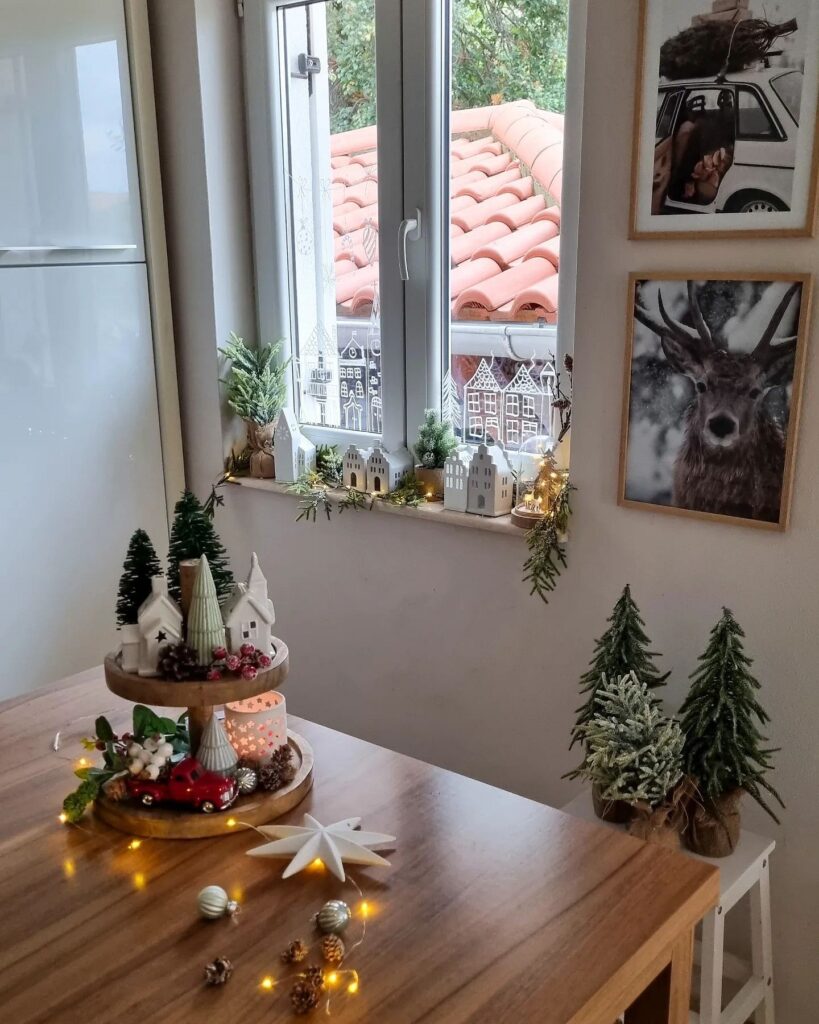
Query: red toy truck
point(188, 783)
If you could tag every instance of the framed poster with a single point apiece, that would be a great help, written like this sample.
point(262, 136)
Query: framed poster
point(725, 137)
point(713, 379)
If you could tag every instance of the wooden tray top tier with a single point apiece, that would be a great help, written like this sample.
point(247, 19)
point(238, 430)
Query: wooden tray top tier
point(200, 693)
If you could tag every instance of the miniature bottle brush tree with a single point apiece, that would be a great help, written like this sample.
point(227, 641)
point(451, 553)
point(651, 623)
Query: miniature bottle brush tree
point(725, 750)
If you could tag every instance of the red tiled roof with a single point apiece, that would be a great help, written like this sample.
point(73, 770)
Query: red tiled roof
point(506, 166)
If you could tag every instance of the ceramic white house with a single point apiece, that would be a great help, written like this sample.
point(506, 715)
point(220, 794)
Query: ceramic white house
point(159, 621)
point(293, 452)
point(386, 470)
point(354, 470)
point(129, 648)
point(490, 482)
point(248, 613)
point(456, 478)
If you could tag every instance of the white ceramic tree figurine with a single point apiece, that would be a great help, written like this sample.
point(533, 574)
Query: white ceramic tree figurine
point(205, 627)
point(216, 753)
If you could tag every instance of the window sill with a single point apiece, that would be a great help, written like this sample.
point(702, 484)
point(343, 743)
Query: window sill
point(431, 512)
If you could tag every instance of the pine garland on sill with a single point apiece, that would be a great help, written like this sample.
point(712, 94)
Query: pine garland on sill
point(547, 546)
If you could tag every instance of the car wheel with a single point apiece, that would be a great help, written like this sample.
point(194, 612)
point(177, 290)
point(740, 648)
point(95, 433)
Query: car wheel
point(208, 807)
point(147, 800)
point(754, 202)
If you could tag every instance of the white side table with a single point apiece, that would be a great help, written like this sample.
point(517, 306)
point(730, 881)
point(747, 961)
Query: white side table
point(746, 870)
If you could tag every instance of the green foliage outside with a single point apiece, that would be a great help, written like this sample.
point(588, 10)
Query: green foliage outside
point(502, 50)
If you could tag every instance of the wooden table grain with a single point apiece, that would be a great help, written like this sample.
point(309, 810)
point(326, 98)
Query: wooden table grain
point(496, 908)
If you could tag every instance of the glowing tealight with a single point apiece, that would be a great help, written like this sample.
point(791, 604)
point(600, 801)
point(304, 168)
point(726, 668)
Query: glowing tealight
point(267, 983)
point(135, 844)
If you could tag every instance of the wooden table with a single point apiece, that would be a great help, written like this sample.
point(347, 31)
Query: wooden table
point(496, 909)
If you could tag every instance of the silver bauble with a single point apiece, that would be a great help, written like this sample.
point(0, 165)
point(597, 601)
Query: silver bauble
point(247, 780)
point(212, 901)
point(333, 917)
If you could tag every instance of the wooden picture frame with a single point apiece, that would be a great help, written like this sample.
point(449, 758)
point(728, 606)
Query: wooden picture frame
point(674, 195)
point(720, 395)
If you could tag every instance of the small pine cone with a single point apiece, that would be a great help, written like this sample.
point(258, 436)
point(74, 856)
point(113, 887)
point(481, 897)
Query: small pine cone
point(115, 789)
point(304, 997)
point(313, 976)
point(270, 777)
point(295, 952)
point(332, 949)
point(283, 760)
point(218, 972)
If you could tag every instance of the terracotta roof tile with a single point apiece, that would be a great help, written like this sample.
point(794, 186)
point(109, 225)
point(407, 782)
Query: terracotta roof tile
point(506, 164)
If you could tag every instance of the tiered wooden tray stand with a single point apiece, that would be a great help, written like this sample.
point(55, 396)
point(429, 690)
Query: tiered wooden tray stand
point(174, 822)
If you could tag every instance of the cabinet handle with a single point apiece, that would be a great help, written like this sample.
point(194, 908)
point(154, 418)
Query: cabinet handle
point(65, 248)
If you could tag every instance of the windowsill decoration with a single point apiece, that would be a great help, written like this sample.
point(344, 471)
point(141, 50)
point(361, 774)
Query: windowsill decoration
point(435, 444)
point(170, 778)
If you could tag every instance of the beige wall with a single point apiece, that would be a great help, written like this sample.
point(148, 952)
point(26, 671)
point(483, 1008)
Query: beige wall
point(422, 637)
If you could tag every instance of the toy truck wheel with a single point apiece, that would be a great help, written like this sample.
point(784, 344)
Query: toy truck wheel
point(147, 800)
point(208, 807)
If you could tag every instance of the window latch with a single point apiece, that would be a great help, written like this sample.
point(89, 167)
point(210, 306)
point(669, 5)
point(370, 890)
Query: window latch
point(308, 65)
point(409, 229)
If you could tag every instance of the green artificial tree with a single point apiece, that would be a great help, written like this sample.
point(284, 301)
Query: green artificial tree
point(723, 744)
point(633, 752)
point(193, 535)
point(206, 630)
point(141, 563)
point(435, 441)
point(256, 382)
point(623, 648)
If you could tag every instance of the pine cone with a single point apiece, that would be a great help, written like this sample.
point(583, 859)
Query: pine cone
point(115, 789)
point(304, 997)
point(295, 953)
point(279, 770)
point(332, 949)
point(178, 662)
point(313, 976)
point(218, 972)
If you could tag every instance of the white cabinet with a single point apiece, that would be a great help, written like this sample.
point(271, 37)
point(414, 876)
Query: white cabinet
point(69, 190)
point(80, 459)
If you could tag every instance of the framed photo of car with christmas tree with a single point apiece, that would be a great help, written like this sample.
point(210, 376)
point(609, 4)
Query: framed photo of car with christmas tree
point(726, 136)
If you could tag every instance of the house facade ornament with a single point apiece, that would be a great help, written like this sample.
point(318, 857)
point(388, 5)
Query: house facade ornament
point(489, 491)
point(159, 622)
point(295, 454)
point(248, 614)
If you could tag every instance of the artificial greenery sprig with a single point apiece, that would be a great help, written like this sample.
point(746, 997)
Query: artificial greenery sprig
point(435, 443)
point(256, 382)
point(547, 552)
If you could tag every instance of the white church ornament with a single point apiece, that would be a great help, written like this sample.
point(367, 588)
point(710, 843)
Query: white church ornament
point(159, 622)
point(334, 845)
point(248, 614)
point(295, 454)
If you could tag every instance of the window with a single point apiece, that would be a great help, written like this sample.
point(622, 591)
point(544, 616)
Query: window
point(753, 121)
point(788, 88)
point(475, 144)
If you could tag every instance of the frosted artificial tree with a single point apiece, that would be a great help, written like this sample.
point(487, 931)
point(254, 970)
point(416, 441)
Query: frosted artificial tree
point(724, 747)
point(622, 649)
point(141, 564)
point(633, 751)
point(435, 444)
point(206, 629)
point(193, 535)
point(215, 752)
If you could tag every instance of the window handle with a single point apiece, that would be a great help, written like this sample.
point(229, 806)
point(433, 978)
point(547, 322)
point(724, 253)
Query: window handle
point(408, 229)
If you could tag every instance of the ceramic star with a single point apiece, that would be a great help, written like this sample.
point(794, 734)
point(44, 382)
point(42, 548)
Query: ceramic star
point(333, 844)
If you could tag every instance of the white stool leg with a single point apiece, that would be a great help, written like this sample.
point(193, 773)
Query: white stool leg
point(713, 938)
point(761, 943)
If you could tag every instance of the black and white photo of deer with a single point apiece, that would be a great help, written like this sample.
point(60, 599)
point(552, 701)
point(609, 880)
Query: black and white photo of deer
point(732, 456)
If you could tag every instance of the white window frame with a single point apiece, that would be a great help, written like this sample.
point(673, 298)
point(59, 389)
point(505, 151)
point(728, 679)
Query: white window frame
point(413, 174)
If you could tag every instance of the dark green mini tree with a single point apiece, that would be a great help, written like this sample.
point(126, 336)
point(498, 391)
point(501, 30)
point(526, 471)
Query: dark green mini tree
point(622, 649)
point(192, 536)
point(140, 565)
point(723, 744)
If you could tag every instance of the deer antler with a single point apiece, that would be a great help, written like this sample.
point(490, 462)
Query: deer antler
point(679, 330)
point(763, 350)
point(699, 319)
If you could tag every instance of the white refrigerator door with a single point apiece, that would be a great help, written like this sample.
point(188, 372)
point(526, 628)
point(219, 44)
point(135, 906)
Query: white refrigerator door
point(69, 191)
point(80, 459)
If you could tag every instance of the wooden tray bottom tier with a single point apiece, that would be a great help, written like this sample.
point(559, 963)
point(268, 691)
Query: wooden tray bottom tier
point(173, 822)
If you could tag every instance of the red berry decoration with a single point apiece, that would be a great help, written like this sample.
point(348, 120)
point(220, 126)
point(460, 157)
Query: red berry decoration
point(263, 661)
point(219, 653)
point(232, 663)
point(249, 672)
point(214, 674)
point(246, 650)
